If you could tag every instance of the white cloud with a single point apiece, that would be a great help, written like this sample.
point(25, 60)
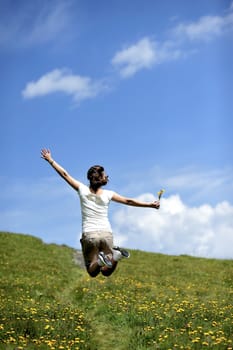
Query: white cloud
point(135, 57)
point(205, 231)
point(205, 28)
point(49, 22)
point(26, 25)
point(62, 80)
point(197, 185)
point(143, 55)
point(146, 53)
point(201, 185)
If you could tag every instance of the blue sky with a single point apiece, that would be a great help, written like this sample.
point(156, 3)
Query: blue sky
point(143, 88)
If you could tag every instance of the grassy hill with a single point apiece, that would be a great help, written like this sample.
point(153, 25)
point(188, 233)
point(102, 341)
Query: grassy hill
point(152, 301)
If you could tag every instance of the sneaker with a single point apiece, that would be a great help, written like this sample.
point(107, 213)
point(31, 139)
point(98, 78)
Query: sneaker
point(124, 252)
point(103, 260)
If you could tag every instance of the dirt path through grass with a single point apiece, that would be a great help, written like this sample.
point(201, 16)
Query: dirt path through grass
point(107, 331)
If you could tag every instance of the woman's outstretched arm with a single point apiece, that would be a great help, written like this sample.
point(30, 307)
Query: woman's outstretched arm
point(134, 202)
point(46, 155)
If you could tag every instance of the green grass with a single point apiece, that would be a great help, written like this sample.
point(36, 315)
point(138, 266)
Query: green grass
point(152, 301)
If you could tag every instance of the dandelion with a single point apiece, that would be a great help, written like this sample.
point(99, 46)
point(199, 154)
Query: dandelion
point(196, 340)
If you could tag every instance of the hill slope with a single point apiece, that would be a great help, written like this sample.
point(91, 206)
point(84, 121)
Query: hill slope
point(152, 301)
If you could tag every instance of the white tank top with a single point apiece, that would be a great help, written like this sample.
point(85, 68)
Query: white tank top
point(94, 209)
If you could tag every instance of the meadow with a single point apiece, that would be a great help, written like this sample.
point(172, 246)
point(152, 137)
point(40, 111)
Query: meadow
point(152, 301)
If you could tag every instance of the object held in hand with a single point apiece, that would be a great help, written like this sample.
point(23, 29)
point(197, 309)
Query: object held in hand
point(160, 193)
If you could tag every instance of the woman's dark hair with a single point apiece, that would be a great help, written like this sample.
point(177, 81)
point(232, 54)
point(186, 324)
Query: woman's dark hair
point(96, 178)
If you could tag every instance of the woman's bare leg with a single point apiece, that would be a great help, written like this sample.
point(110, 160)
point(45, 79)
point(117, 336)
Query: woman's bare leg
point(106, 271)
point(93, 268)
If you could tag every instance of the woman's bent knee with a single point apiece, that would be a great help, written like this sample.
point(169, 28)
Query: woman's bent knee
point(108, 272)
point(93, 273)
